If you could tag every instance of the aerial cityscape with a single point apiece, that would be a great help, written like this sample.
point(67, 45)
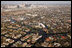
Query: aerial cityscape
point(35, 23)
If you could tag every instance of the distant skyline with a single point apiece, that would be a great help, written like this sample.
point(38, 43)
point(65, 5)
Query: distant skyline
point(36, 2)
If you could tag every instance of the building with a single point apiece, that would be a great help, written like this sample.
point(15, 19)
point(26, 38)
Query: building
point(21, 6)
point(10, 6)
point(42, 25)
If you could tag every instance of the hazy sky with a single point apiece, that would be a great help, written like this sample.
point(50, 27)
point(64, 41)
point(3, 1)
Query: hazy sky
point(36, 2)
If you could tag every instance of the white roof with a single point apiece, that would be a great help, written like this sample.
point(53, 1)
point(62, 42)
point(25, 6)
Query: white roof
point(42, 24)
point(7, 39)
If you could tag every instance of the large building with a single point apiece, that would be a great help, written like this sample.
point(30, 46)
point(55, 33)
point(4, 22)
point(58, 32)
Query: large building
point(21, 5)
point(10, 6)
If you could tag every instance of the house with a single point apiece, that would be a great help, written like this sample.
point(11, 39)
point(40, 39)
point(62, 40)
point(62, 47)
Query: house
point(42, 25)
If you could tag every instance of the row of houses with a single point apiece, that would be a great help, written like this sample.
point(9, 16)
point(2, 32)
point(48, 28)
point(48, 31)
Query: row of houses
point(13, 6)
